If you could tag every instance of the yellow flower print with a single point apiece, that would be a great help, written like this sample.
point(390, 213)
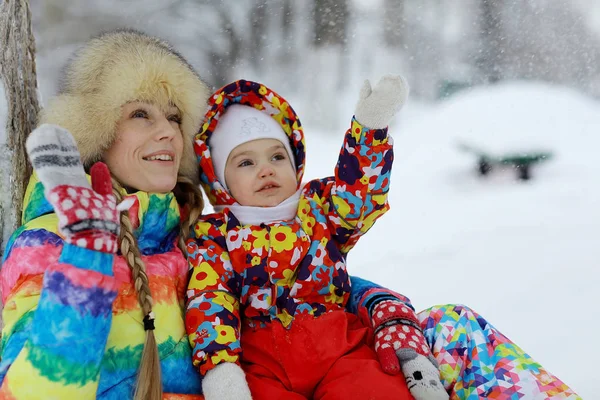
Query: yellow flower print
point(295, 126)
point(308, 221)
point(364, 180)
point(282, 238)
point(285, 318)
point(304, 207)
point(226, 300)
point(255, 260)
point(219, 98)
point(342, 207)
point(225, 257)
point(369, 221)
point(223, 356)
point(246, 245)
point(260, 239)
point(289, 276)
point(262, 90)
point(201, 228)
point(203, 276)
point(275, 102)
point(377, 142)
point(226, 334)
point(332, 297)
point(356, 131)
point(204, 127)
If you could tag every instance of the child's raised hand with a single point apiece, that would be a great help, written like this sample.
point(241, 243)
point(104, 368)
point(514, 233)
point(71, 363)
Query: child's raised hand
point(376, 107)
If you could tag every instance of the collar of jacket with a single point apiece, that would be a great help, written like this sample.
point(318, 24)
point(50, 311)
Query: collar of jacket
point(155, 216)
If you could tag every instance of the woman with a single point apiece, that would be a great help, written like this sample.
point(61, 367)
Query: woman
point(81, 320)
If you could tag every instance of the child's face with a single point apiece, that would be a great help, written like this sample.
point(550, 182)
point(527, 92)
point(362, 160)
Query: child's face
point(259, 173)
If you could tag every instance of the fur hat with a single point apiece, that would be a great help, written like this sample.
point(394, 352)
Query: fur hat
point(115, 68)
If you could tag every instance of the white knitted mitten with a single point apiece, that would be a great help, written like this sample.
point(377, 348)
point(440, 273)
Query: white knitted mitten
point(226, 381)
point(376, 107)
point(88, 215)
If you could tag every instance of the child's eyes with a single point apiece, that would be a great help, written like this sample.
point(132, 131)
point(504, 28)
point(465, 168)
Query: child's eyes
point(245, 163)
point(278, 157)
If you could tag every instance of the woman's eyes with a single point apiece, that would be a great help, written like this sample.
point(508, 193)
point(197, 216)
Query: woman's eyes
point(139, 114)
point(278, 157)
point(175, 118)
point(144, 114)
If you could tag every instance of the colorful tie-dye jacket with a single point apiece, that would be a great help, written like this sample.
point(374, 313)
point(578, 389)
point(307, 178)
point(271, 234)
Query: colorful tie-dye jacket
point(72, 324)
point(255, 274)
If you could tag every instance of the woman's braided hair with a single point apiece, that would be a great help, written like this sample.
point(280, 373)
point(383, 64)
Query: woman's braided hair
point(149, 382)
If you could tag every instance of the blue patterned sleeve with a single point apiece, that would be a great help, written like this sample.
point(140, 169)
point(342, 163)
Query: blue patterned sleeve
point(366, 294)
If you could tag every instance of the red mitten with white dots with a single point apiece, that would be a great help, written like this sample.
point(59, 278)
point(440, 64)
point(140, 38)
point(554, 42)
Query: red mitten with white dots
point(401, 345)
point(396, 327)
point(87, 216)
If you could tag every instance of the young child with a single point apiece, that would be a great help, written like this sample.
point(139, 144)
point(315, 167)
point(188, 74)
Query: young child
point(269, 266)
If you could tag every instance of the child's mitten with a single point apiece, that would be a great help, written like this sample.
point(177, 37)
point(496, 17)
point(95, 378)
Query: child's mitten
point(376, 107)
point(87, 216)
point(226, 381)
point(400, 344)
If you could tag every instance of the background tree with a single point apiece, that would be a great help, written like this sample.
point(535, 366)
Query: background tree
point(18, 74)
point(493, 40)
point(326, 59)
point(393, 23)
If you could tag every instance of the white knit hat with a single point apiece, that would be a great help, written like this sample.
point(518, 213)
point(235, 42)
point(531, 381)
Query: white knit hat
point(238, 125)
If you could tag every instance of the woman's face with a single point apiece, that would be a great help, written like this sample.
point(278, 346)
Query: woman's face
point(148, 148)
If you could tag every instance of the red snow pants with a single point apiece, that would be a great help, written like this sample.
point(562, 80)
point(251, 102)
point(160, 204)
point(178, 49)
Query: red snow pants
point(322, 358)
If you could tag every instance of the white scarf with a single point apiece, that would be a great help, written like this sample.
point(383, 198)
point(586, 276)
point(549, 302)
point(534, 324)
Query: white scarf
point(249, 215)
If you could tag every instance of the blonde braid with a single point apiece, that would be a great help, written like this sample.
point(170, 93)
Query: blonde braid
point(149, 382)
point(188, 194)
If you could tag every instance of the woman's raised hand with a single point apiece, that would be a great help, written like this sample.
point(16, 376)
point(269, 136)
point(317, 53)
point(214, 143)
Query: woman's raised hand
point(87, 216)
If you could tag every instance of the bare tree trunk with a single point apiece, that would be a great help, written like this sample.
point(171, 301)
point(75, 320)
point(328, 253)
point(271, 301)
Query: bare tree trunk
point(222, 59)
point(258, 31)
point(331, 20)
point(18, 74)
point(492, 40)
point(393, 23)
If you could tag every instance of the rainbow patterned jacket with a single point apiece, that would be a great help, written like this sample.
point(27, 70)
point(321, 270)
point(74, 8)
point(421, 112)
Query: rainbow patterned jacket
point(72, 324)
point(255, 274)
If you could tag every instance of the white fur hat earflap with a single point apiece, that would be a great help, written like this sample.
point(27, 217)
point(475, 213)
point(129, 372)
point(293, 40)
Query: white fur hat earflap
point(241, 124)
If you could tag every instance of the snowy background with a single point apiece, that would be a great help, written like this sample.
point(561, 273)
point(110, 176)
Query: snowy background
point(525, 255)
point(505, 76)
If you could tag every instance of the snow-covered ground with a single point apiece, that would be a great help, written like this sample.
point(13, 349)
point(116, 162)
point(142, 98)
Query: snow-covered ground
point(525, 255)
